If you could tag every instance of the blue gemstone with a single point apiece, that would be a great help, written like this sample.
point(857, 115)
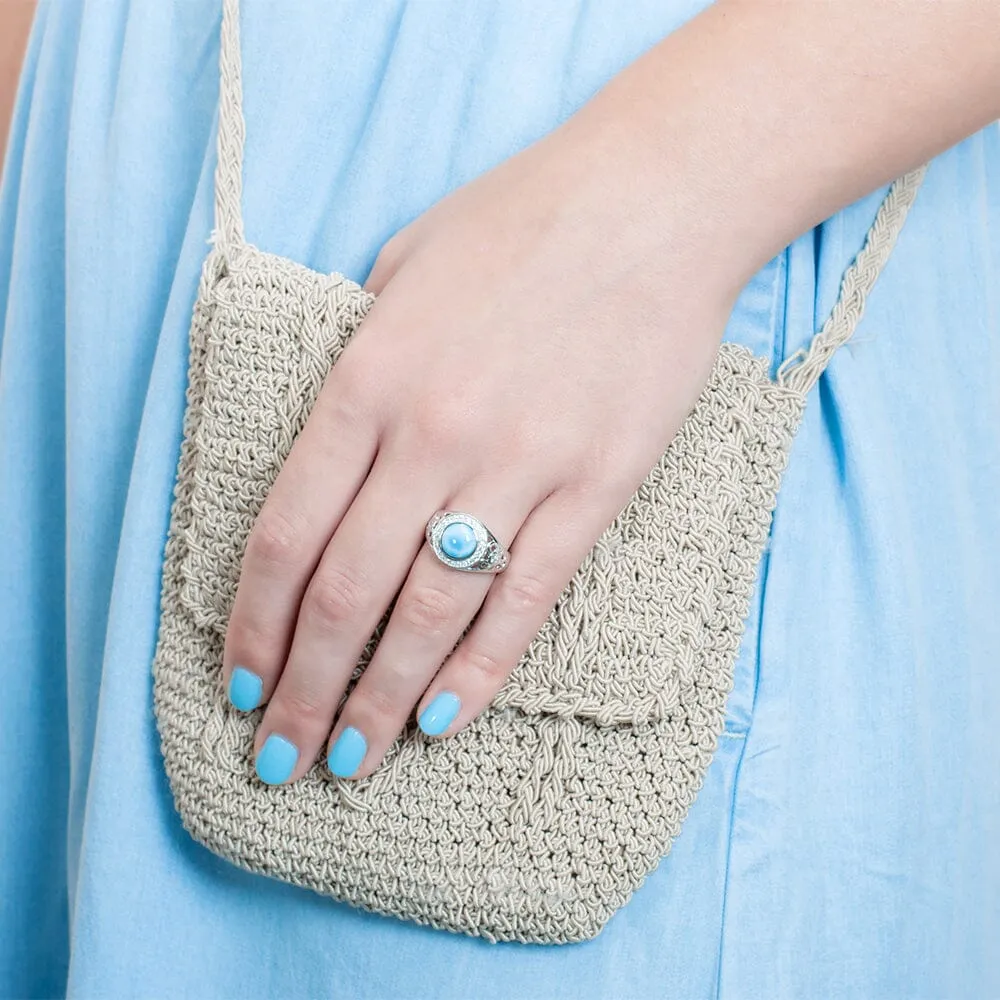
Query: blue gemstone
point(458, 541)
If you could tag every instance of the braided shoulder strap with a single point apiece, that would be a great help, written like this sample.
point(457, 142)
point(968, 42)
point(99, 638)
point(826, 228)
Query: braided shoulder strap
point(801, 369)
point(232, 132)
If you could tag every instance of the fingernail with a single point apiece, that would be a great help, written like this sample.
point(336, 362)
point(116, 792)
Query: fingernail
point(245, 689)
point(347, 753)
point(276, 759)
point(440, 713)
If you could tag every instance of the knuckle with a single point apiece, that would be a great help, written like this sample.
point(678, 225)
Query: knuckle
point(248, 638)
point(275, 539)
point(304, 705)
point(390, 255)
point(428, 610)
point(335, 597)
point(524, 592)
point(352, 391)
point(441, 424)
point(528, 443)
point(378, 703)
point(491, 669)
point(594, 470)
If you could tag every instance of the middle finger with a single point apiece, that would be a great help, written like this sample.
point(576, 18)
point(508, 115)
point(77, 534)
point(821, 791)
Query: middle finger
point(361, 568)
point(436, 604)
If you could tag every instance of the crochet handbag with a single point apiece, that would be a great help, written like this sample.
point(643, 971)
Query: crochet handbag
point(541, 818)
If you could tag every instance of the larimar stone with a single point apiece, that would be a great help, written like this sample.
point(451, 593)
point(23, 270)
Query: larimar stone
point(458, 541)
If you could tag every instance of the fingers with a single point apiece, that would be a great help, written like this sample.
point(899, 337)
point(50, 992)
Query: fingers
point(324, 563)
point(548, 550)
point(321, 476)
point(360, 571)
point(434, 607)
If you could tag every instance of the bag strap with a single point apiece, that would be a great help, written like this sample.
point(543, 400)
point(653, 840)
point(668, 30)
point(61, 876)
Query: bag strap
point(801, 369)
point(798, 371)
point(232, 132)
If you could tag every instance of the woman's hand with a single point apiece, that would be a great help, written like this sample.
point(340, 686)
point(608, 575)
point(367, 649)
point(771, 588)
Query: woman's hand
point(540, 335)
point(537, 340)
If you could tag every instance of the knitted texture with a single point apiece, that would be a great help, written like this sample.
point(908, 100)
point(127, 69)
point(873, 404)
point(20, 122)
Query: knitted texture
point(540, 819)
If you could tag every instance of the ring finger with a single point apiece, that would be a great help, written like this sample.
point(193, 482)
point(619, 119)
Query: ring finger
point(434, 607)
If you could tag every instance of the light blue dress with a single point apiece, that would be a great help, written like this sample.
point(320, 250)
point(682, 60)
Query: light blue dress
point(847, 840)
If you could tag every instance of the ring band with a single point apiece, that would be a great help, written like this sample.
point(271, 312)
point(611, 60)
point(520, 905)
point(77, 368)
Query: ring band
point(463, 542)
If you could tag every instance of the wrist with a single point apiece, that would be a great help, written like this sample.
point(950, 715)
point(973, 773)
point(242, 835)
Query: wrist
point(754, 122)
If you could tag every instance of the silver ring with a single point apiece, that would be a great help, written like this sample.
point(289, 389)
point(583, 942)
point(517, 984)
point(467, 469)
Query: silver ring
point(464, 542)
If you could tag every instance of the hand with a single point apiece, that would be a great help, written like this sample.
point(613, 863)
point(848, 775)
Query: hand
point(536, 343)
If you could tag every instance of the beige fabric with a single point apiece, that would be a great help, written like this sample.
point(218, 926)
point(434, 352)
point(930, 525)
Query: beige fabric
point(540, 819)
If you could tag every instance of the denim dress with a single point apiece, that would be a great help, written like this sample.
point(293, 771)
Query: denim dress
point(846, 842)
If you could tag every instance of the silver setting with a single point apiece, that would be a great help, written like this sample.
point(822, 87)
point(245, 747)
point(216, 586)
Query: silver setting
point(489, 556)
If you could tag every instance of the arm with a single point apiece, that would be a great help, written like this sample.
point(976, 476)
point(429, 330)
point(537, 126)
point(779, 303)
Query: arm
point(15, 23)
point(768, 116)
point(540, 335)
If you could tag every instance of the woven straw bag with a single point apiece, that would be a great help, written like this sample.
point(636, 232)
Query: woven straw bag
point(541, 818)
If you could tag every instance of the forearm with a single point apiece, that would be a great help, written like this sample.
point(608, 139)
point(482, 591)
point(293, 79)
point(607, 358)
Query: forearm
point(760, 118)
point(15, 23)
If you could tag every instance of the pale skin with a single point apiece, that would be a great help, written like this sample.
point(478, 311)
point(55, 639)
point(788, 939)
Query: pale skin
point(15, 23)
point(541, 333)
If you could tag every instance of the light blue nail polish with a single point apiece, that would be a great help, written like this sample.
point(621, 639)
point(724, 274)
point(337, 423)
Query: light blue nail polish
point(276, 759)
point(347, 753)
point(245, 689)
point(440, 713)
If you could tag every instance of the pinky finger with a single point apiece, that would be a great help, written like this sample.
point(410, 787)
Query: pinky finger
point(548, 550)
